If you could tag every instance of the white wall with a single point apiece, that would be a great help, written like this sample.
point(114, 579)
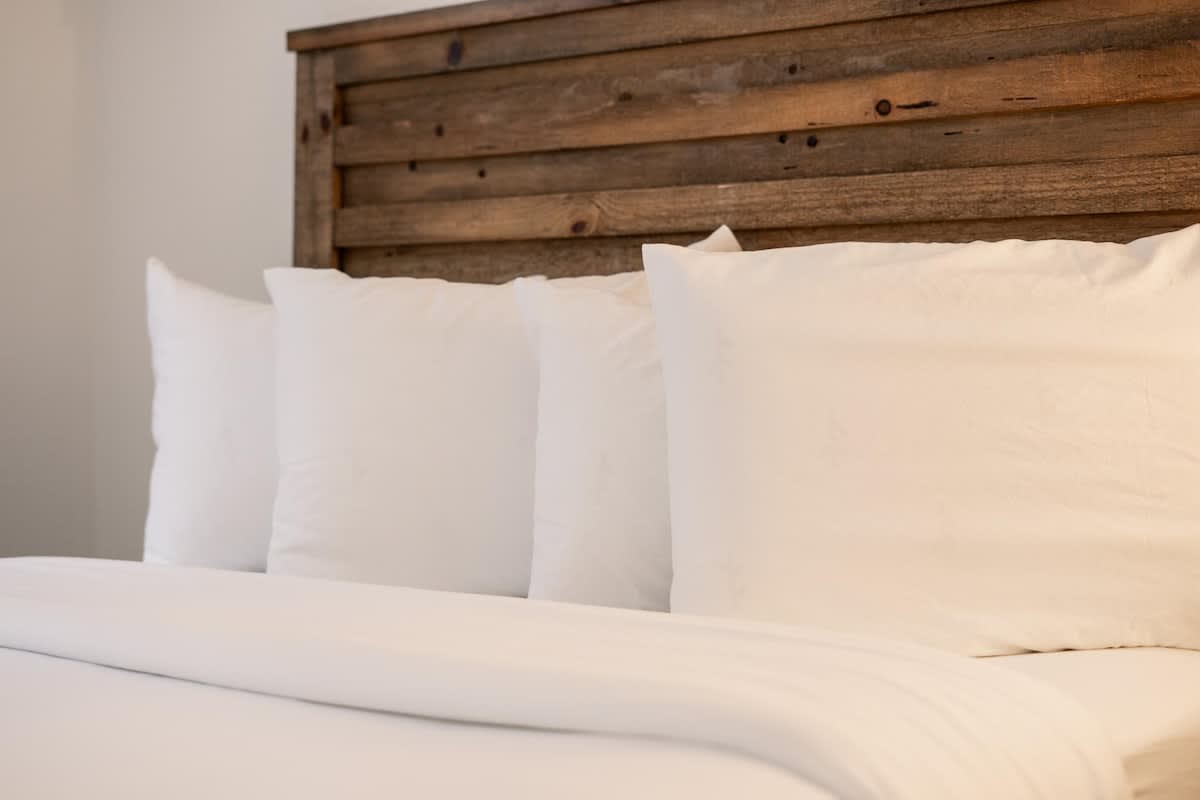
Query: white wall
point(45, 299)
point(189, 159)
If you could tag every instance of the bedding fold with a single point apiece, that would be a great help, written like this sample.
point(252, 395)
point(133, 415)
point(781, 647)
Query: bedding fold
point(854, 716)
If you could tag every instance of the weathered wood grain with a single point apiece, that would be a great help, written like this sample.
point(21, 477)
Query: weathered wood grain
point(766, 58)
point(1157, 183)
point(1064, 135)
point(1040, 82)
point(465, 15)
point(317, 180)
point(497, 262)
point(574, 87)
point(608, 30)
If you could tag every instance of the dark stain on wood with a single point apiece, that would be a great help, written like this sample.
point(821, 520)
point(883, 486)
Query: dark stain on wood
point(454, 53)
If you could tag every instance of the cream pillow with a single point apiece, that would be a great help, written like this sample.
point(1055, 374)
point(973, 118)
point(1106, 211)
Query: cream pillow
point(407, 411)
point(213, 481)
point(991, 447)
point(601, 526)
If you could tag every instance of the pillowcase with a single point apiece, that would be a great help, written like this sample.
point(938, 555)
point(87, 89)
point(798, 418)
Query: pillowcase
point(213, 480)
point(990, 448)
point(601, 527)
point(407, 411)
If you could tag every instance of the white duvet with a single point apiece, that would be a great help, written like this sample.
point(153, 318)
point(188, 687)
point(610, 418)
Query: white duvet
point(803, 713)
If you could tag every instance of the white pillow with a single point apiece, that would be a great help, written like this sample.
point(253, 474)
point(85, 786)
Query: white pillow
point(406, 411)
point(407, 415)
point(990, 448)
point(213, 481)
point(601, 532)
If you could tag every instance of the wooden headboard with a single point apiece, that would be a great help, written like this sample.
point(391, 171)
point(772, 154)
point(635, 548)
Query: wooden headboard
point(508, 137)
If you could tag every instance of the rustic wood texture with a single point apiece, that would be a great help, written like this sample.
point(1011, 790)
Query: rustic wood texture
point(607, 30)
point(1066, 135)
point(1155, 183)
point(466, 15)
point(924, 41)
point(554, 136)
point(1017, 86)
point(497, 262)
point(318, 183)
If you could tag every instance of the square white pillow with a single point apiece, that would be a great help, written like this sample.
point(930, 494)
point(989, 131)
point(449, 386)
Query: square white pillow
point(213, 480)
point(407, 417)
point(990, 448)
point(406, 412)
point(601, 525)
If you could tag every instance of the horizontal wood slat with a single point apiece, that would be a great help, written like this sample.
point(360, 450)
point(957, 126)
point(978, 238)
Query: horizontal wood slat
point(768, 58)
point(1065, 135)
point(947, 39)
point(608, 30)
point(465, 15)
point(497, 262)
point(1166, 183)
point(1039, 82)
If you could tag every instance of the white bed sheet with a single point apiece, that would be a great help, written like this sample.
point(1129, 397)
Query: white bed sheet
point(857, 718)
point(69, 729)
point(1148, 699)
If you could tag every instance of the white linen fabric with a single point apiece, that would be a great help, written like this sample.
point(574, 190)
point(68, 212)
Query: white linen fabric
point(1147, 698)
point(854, 717)
point(407, 418)
point(601, 523)
point(991, 447)
point(70, 722)
point(406, 413)
point(213, 482)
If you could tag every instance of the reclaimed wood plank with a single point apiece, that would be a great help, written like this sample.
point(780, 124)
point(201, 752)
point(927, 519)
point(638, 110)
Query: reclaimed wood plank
point(608, 30)
point(498, 262)
point(413, 23)
point(1146, 184)
point(1167, 72)
point(1063, 135)
point(317, 179)
point(576, 87)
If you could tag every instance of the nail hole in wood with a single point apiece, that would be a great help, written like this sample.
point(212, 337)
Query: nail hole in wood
point(304, 133)
point(793, 69)
point(883, 108)
point(454, 53)
point(412, 166)
point(813, 141)
point(326, 122)
point(625, 97)
point(579, 227)
point(783, 138)
point(483, 173)
point(440, 130)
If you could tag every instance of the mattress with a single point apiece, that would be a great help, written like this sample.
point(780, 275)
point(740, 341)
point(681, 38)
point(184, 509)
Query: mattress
point(1148, 699)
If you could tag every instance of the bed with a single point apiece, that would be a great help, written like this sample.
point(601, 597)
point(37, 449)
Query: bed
point(510, 138)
